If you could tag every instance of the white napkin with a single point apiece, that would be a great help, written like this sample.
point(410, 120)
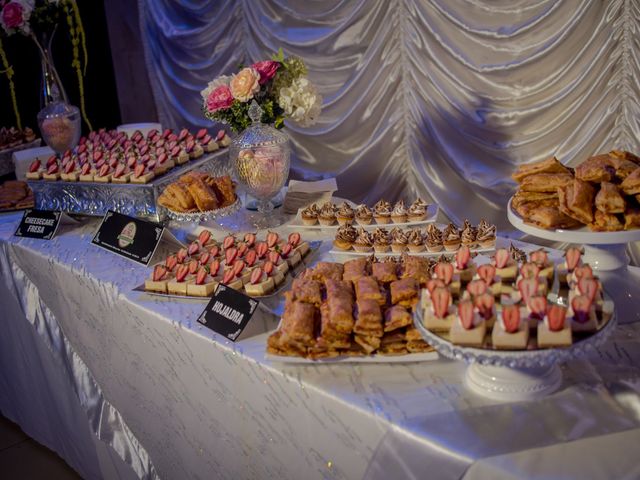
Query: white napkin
point(300, 194)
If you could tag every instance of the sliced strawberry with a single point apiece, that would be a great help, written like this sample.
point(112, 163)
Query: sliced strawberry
point(99, 164)
point(434, 283)
point(190, 145)
point(484, 303)
point(171, 262)
point(529, 270)
point(502, 257)
point(82, 148)
point(204, 237)
point(588, 287)
point(511, 318)
point(145, 159)
point(201, 133)
point(151, 164)
point(294, 239)
point(139, 170)
point(193, 266)
point(131, 161)
point(272, 239)
point(206, 140)
point(201, 276)
point(181, 273)
point(171, 145)
point(86, 168)
point(238, 266)
point(204, 258)
point(268, 268)
point(476, 287)
point(166, 133)
point(144, 150)
point(214, 267)
point(35, 166)
point(538, 306)
point(172, 138)
point(230, 255)
point(162, 158)
point(184, 133)
point(286, 250)
point(462, 257)
point(137, 135)
point(242, 249)
point(70, 167)
point(444, 271)
point(97, 156)
point(250, 239)
point(539, 257)
point(572, 257)
point(52, 160)
point(583, 271)
point(487, 272)
point(465, 312)
point(528, 287)
point(256, 276)
point(120, 169)
point(181, 255)
point(261, 249)
point(53, 168)
point(228, 277)
point(214, 251)
point(228, 242)
point(440, 298)
point(221, 134)
point(152, 133)
point(251, 257)
point(159, 272)
point(194, 247)
point(274, 257)
point(555, 317)
point(581, 306)
point(113, 162)
point(112, 144)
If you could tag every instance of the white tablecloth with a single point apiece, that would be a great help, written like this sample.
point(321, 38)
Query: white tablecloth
point(125, 385)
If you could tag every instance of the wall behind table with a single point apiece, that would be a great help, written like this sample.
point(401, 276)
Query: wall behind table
point(438, 98)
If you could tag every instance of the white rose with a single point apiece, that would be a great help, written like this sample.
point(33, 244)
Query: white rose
point(215, 83)
point(301, 102)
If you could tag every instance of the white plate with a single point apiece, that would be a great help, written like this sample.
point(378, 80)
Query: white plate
point(408, 358)
point(575, 235)
point(432, 213)
point(353, 253)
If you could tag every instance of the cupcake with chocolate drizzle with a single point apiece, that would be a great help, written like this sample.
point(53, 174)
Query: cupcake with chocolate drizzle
point(364, 241)
point(399, 240)
point(469, 234)
point(486, 236)
point(382, 212)
point(345, 214)
point(434, 239)
point(416, 242)
point(364, 216)
point(417, 212)
point(327, 215)
point(345, 237)
point(310, 215)
point(381, 240)
point(399, 213)
point(451, 238)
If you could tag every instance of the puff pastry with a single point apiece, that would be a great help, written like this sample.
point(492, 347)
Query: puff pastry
point(625, 155)
point(367, 288)
point(545, 182)
point(606, 222)
point(609, 200)
point(404, 290)
point(580, 201)
point(550, 165)
point(631, 184)
point(307, 290)
point(354, 269)
point(384, 272)
point(596, 169)
point(369, 321)
point(396, 317)
point(632, 218)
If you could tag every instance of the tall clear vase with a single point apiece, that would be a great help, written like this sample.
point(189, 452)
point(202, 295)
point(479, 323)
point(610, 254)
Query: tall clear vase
point(59, 122)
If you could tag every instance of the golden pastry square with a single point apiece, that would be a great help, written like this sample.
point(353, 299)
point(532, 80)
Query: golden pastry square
point(419, 346)
point(298, 321)
point(606, 222)
point(631, 184)
point(545, 182)
point(550, 165)
point(337, 315)
point(368, 288)
point(396, 317)
point(609, 200)
point(417, 268)
point(404, 289)
point(632, 218)
point(354, 269)
point(307, 290)
point(328, 271)
point(338, 289)
point(596, 169)
point(369, 321)
point(369, 344)
point(384, 272)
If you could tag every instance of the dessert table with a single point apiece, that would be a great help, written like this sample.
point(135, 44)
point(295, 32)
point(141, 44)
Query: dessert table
point(125, 385)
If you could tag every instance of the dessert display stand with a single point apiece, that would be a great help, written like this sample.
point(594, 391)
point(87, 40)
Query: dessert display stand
point(605, 252)
point(514, 375)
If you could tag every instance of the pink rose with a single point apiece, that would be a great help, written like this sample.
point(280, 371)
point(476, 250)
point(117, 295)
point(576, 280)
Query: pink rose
point(267, 70)
point(245, 84)
point(219, 99)
point(12, 15)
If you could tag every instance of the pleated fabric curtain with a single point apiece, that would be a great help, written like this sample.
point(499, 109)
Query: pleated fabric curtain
point(437, 98)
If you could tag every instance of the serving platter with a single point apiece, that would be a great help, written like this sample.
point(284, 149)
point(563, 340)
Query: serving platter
point(376, 358)
point(198, 217)
point(353, 253)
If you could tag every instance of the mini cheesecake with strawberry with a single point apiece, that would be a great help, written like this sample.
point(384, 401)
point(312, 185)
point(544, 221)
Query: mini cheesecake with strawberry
point(121, 174)
point(259, 284)
point(230, 279)
point(582, 314)
point(291, 256)
point(184, 274)
point(300, 246)
point(464, 266)
point(86, 173)
point(555, 329)
point(468, 328)
point(572, 260)
point(203, 285)
point(506, 266)
point(160, 276)
point(540, 257)
point(141, 174)
point(70, 171)
point(511, 331)
point(223, 139)
point(446, 272)
point(279, 263)
point(528, 271)
point(425, 295)
point(527, 288)
point(52, 169)
point(487, 273)
point(534, 309)
point(440, 314)
point(486, 306)
point(103, 175)
point(34, 172)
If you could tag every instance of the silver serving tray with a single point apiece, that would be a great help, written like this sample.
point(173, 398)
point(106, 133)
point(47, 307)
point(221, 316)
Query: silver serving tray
point(136, 200)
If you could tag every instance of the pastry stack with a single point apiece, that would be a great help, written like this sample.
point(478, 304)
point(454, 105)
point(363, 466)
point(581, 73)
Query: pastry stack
point(505, 304)
point(113, 157)
point(246, 264)
point(603, 193)
point(358, 308)
point(15, 195)
point(198, 192)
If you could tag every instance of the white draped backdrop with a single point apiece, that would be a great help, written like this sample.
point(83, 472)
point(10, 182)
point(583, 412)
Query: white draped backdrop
point(441, 98)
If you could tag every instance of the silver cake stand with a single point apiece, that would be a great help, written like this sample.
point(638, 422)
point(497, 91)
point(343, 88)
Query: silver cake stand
point(514, 375)
point(605, 252)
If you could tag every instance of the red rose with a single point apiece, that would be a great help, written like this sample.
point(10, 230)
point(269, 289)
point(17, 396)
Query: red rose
point(266, 69)
point(219, 99)
point(12, 15)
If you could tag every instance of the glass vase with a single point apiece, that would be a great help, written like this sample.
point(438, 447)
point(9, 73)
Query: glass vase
point(59, 122)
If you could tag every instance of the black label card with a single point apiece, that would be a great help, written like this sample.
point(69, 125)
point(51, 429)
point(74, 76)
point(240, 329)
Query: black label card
point(41, 224)
point(228, 312)
point(128, 237)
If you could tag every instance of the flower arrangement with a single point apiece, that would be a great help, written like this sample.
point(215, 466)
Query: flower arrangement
point(279, 86)
point(38, 19)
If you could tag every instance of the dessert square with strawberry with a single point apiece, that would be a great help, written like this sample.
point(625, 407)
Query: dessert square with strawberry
point(468, 328)
point(511, 332)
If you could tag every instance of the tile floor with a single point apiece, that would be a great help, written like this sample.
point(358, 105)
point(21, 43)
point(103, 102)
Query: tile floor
point(21, 457)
